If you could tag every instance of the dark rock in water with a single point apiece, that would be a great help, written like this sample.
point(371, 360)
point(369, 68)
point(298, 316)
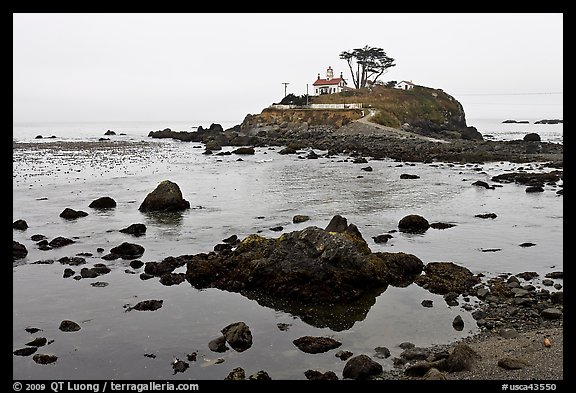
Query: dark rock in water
point(166, 197)
point(344, 355)
point(458, 323)
point(512, 363)
point(237, 374)
point(167, 265)
point(192, 356)
point(25, 351)
point(382, 238)
point(109, 132)
point(528, 179)
point(287, 150)
point(299, 218)
point(43, 262)
point(413, 223)
point(86, 272)
point(302, 272)
point(150, 355)
point(103, 203)
point(409, 176)
point(244, 150)
point(37, 342)
point(238, 335)
point(283, 326)
point(33, 330)
point(361, 367)
point(136, 264)
point(69, 326)
point(100, 269)
point(60, 242)
point(311, 344)
point(99, 284)
point(534, 189)
point(172, 278)
point(486, 215)
point(44, 359)
point(549, 121)
point(145, 276)
point(21, 225)
point(179, 366)
point(71, 214)
point(37, 238)
point(128, 250)
point(74, 261)
point(444, 277)
point(554, 275)
point(532, 137)
point(441, 225)
point(360, 160)
point(481, 183)
point(382, 352)
point(68, 273)
point(527, 275)
point(148, 305)
point(314, 375)
point(19, 250)
point(527, 244)
point(367, 169)
point(260, 376)
point(462, 358)
point(277, 229)
point(135, 229)
point(218, 345)
point(427, 303)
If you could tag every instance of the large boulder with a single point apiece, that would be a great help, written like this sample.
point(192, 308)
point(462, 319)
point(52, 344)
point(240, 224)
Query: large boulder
point(413, 223)
point(329, 278)
point(166, 197)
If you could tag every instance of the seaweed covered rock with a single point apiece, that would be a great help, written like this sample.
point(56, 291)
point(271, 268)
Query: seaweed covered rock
point(445, 277)
point(304, 268)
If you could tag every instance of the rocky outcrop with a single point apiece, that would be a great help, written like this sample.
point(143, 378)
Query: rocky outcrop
point(71, 214)
point(19, 250)
point(305, 271)
point(166, 197)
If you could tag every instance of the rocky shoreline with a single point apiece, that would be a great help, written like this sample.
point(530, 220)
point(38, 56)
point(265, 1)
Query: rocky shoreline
point(366, 139)
point(520, 315)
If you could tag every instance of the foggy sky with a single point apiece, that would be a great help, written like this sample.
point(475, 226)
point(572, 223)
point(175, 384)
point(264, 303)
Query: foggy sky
point(178, 67)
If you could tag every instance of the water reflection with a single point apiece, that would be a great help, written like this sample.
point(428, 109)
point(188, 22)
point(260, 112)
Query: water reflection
point(335, 316)
point(170, 219)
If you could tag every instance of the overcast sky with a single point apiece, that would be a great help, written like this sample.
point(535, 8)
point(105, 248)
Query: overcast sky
point(187, 67)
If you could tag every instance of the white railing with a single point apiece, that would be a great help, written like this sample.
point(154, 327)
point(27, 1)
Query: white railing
point(318, 106)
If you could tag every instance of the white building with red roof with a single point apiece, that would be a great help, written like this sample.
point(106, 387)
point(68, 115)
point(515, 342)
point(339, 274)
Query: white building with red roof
point(329, 85)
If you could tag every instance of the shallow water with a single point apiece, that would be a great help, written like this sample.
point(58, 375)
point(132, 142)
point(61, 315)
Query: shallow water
point(228, 197)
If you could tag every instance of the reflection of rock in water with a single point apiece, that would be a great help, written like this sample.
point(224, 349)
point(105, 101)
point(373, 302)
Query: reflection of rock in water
point(338, 316)
point(328, 277)
point(164, 218)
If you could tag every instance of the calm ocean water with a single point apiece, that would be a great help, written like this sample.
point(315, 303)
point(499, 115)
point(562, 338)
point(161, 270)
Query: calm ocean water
point(244, 197)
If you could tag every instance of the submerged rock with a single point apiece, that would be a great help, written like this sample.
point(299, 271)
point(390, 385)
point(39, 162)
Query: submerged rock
point(311, 344)
point(238, 335)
